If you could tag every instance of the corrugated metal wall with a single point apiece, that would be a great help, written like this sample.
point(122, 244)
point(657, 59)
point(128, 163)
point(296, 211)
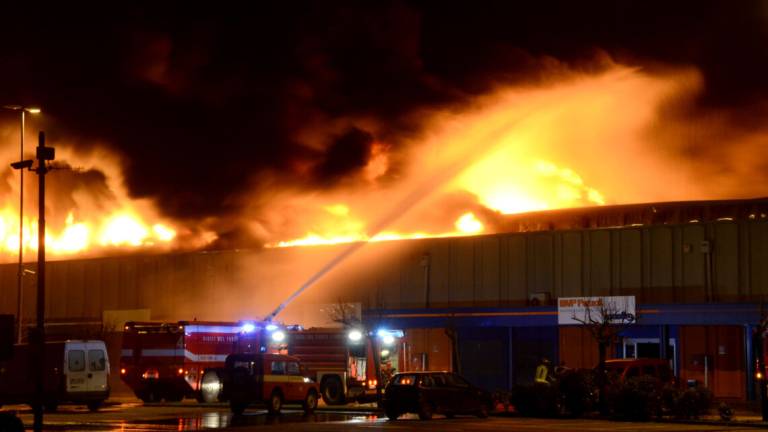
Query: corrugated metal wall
point(658, 264)
point(693, 263)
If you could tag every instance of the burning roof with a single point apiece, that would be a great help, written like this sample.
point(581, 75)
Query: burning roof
point(262, 126)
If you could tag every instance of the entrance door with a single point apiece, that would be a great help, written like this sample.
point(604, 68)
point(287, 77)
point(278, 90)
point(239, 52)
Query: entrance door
point(649, 348)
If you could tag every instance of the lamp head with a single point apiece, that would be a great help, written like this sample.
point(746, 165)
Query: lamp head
point(22, 164)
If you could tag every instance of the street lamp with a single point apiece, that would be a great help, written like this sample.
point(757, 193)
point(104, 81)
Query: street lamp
point(23, 110)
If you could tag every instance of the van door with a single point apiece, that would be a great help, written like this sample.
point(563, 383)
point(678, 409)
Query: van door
point(98, 367)
point(74, 363)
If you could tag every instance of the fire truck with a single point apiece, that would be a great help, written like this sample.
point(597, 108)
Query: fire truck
point(342, 361)
point(167, 361)
point(343, 366)
point(170, 361)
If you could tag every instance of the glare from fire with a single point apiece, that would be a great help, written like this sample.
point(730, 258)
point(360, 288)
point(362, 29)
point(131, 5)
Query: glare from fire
point(580, 141)
point(469, 224)
point(96, 218)
point(123, 229)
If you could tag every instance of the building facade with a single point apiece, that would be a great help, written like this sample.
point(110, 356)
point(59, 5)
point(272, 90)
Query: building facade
point(698, 272)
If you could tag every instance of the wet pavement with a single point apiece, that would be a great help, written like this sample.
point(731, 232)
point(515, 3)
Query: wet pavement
point(131, 415)
point(135, 416)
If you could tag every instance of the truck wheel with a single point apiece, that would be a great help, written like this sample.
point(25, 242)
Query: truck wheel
point(94, 406)
point(275, 403)
point(211, 387)
point(174, 396)
point(237, 408)
point(310, 402)
point(333, 391)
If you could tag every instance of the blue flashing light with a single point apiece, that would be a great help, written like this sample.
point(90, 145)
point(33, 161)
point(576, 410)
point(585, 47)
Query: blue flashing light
point(271, 327)
point(248, 327)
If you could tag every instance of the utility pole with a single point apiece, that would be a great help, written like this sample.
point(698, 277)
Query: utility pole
point(44, 154)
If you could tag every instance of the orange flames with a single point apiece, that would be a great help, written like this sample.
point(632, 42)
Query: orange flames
point(87, 219)
point(119, 229)
point(581, 142)
point(585, 140)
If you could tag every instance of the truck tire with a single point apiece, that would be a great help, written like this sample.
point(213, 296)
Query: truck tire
point(333, 391)
point(174, 396)
point(275, 403)
point(237, 408)
point(211, 387)
point(310, 402)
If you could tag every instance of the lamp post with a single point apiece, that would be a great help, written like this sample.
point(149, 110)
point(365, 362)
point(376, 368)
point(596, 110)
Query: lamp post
point(37, 335)
point(19, 297)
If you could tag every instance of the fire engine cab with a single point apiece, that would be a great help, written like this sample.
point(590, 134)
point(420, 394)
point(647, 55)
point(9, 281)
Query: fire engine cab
point(273, 379)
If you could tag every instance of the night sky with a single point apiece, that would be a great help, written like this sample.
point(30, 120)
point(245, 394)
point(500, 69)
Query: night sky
point(199, 99)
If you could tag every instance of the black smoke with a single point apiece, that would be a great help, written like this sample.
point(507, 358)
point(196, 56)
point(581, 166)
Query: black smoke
point(201, 99)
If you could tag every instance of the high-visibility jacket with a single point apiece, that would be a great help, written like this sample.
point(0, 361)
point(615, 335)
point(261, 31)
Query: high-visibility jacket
point(541, 374)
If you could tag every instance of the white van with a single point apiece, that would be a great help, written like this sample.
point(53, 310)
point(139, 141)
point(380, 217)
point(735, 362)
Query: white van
point(75, 371)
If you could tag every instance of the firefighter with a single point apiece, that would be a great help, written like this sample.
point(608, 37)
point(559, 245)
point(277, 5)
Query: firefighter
point(542, 373)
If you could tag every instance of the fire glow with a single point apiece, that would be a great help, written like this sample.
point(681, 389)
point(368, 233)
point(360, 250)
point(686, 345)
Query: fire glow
point(583, 140)
point(83, 218)
point(579, 142)
point(118, 230)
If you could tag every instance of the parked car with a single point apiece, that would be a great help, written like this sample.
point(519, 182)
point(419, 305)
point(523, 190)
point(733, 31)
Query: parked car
point(427, 393)
point(625, 369)
point(271, 379)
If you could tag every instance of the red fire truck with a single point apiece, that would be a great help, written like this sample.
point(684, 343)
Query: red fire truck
point(167, 360)
point(344, 368)
point(171, 361)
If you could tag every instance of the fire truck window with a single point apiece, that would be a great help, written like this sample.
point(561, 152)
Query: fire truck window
point(278, 368)
point(96, 360)
point(649, 370)
point(632, 372)
point(77, 360)
point(292, 368)
point(357, 350)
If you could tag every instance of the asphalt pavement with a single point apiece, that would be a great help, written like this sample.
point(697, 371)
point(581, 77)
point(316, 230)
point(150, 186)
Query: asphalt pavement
point(128, 414)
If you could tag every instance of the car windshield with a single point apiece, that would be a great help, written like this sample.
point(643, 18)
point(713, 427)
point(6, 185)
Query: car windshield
point(405, 379)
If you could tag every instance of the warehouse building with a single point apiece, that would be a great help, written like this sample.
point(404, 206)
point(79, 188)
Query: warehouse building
point(697, 271)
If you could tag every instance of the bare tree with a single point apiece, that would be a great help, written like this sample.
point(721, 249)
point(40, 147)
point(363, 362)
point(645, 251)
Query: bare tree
point(604, 320)
point(345, 314)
